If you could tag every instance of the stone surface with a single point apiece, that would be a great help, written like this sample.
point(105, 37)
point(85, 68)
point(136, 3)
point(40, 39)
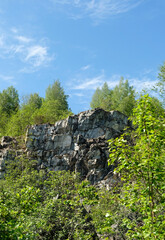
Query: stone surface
point(78, 143)
point(8, 151)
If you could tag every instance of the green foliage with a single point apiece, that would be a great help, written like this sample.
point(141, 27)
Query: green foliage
point(34, 100)
point(3, 123)
point(9, 101)
point(101, 98)
point(96, 99)
point(121, 98)
point(140, 161)
point(161, 83)
point(36, 205)
point(109, 213)
point(9, 105)
point(36, 110)
point(56, 93)
point(51, 111)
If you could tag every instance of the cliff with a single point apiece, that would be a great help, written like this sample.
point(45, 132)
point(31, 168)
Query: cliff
point(78, 143)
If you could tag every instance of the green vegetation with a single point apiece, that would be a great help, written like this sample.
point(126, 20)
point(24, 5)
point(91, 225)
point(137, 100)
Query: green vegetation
point(121, 98)
point(40, 205)
point(160, 87)
point(9, 101)
point(34, 109)
point(139, 157)
point(36, 205)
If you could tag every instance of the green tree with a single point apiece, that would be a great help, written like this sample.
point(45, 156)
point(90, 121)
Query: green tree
point(161, 83)
point(56, 92)
point(4, 118)
point(54, 107)
point(9, 105)
point(106, 97)
point(123, 97)
point(139, 157)
point(9, 101)
point(96, 99)
point(36, 110)
point(50, 112)
point(101, 98)
point(33, 100)
point(24, 116)
point(19, 121)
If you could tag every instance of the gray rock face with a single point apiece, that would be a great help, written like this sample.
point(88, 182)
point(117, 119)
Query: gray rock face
point(78, 143)
point(8, 151)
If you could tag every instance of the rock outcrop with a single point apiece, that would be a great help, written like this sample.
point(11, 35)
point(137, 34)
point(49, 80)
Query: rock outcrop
point(78, 143)
point(8, 152)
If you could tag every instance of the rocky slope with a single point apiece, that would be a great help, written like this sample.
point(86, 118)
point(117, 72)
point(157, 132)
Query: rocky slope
point(78, 143)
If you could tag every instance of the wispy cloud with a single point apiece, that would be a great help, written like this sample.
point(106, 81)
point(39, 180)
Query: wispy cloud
point(37, 55)
point(2, 41)
point(89, 83)
point(84, 68)
point(98, 9)
point(14, 30)
point(85, 84)
point(78, 94)
point(144, 83)
point(8, 79)
point(23, 39)
point(25, 50)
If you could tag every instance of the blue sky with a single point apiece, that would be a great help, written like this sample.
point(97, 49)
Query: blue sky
point(83, 43)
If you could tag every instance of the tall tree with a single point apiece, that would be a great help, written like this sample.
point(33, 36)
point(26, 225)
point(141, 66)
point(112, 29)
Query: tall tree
point(9, 100)
point(96, 99)
point(101, 98)
point(139, 157)
point(106, 97)
point(33, 100)
point(161, 83)
point(56, 92)
point(123, 97)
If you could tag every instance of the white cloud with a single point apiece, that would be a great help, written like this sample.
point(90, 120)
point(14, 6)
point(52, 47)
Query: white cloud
point(8, 79)
point(14, 49)
point(84, 68)
point(144, 83)
point(98, 9)
point(89, 83)
point(23, 39)
point(37, 55)
point(25, 50)
point(14, 30)
point(78, 94)
point(92, 83)
point(2, 41)
point(83, 86)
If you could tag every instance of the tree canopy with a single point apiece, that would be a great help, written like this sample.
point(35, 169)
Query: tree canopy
point(34, 110)
point(55, 92)
point(121, 98)
point(139, 157)
point(161, 83)
point(9, 101)
point(33, 100)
